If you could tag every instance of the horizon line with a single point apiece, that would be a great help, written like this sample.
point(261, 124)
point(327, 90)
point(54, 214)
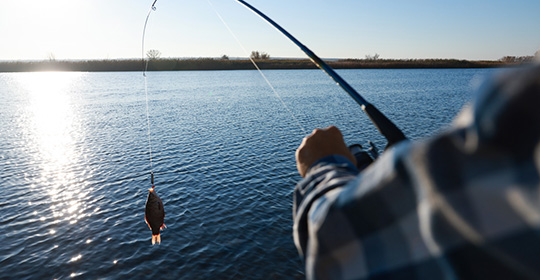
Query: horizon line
point(238, 58)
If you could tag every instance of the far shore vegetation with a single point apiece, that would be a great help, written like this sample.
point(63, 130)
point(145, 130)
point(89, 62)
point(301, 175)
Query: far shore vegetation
point(153, 62)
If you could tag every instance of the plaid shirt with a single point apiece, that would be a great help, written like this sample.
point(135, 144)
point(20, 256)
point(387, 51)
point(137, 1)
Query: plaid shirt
point(462, 205)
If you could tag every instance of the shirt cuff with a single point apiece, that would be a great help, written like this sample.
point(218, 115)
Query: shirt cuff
point(334, 160)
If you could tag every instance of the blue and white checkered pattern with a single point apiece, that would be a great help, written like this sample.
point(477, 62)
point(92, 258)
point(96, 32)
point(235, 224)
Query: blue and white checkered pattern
point(462, 205)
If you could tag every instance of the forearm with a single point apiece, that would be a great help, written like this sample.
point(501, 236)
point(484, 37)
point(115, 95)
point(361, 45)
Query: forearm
point(335, 209)
point(327, 174)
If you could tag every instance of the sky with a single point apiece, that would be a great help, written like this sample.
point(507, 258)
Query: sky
point(400, 29)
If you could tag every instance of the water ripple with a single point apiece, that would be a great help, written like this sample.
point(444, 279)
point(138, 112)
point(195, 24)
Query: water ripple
point(74, 179)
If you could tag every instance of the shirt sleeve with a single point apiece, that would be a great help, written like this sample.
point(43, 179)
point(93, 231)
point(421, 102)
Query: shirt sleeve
point(464, 204)
point(349, 225)
point(324, 175)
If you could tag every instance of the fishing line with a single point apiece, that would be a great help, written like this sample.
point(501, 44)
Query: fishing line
point(385, 126)
point(145, 67)
point(145, 61)
point(256, 66)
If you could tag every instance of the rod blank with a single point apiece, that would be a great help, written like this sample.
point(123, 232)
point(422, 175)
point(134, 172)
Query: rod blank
point(386, 127)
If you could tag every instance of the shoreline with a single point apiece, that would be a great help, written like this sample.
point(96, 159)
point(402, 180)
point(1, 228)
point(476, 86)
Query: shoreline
point(206, 64)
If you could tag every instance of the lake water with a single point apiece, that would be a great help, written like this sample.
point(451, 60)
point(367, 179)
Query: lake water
point(74, 157)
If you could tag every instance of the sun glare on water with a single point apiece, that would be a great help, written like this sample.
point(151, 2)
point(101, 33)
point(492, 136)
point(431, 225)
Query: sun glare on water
point(51, 114)
point(55, 133)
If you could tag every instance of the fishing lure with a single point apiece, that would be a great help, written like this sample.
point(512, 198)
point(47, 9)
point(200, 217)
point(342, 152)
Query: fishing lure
point(154, 213)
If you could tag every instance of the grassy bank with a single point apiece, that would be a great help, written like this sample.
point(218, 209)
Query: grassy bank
point(237, 64)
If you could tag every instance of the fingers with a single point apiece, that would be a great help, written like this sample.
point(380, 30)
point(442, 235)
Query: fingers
point(329, 130)
point(319, 144)
point(318, 134)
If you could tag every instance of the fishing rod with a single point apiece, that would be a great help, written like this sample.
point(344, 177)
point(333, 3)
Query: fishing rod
point(386, 127)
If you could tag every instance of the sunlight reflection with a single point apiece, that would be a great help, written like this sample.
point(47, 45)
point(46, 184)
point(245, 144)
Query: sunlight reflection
point(74, 206)
point(52, 115)
point(54, 130)
point(76, 258)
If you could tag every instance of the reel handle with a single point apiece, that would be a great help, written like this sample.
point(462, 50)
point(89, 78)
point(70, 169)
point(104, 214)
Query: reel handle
point(364, 157)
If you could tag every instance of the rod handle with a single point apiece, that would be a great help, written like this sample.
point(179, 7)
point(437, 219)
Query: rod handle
point(386, 127)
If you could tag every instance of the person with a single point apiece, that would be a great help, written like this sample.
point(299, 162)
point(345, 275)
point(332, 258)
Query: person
point(464, 204)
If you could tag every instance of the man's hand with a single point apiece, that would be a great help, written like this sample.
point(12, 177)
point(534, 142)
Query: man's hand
point(319, 144)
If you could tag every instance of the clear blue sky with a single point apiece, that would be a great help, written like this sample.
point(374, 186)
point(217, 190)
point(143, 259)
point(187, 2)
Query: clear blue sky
point(101, 29)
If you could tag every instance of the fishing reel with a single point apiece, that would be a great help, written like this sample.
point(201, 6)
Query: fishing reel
point(364, 156)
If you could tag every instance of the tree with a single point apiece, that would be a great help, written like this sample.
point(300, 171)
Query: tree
point(516, 59)
point(224, 56)
point(153, 54)
point(259, 55)
point(51, 56)
point(255, 55)
point(508, 59)
point(372, 57)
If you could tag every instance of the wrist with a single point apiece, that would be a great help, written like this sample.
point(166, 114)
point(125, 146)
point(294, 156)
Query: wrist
point(335, 159)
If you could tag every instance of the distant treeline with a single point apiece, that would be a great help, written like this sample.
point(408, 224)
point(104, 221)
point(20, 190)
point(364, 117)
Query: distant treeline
point(173, 64)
